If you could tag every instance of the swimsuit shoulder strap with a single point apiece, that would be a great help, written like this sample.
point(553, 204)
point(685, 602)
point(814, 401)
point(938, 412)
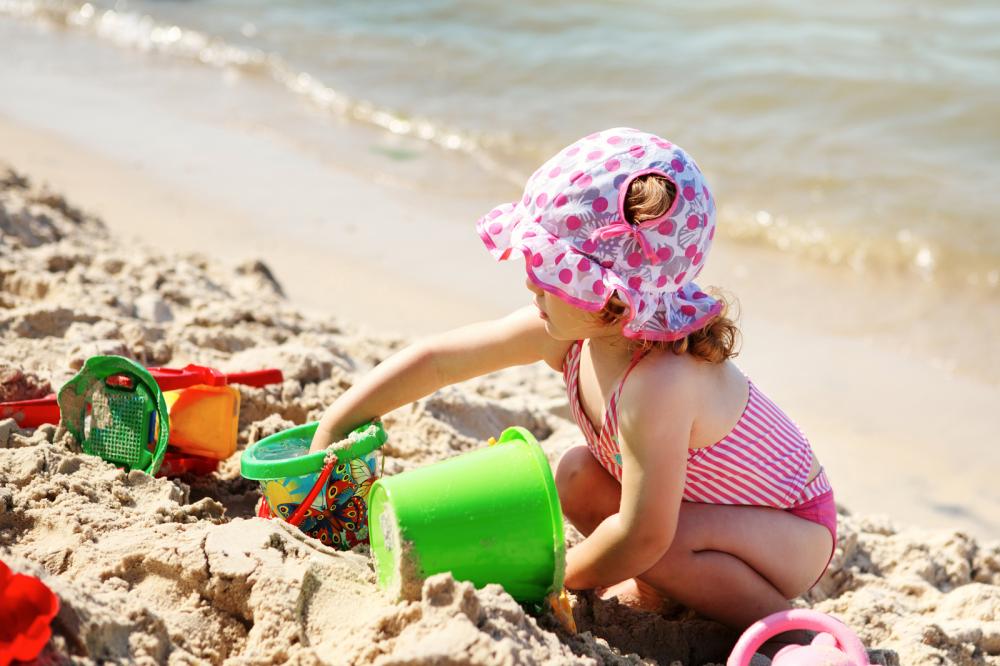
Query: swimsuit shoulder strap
point(616, 396)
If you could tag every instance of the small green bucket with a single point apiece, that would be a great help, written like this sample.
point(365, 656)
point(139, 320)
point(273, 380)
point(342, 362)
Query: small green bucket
point(287, 472)
point(488, 516)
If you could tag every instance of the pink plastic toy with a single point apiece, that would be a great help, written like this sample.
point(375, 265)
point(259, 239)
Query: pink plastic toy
point(836, 645)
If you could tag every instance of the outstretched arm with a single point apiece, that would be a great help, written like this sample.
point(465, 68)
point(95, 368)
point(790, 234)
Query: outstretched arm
point(654, 432)
point(433, 362)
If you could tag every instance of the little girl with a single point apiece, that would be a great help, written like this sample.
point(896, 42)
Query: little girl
point(692, 484)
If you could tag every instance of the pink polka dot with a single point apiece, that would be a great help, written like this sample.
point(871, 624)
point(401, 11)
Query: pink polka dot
point(530, 234)
point(526, 200)
point(559, 257)
point(688, 310)
point(594, 154)
point(642, 305)
point(560, 201)
point(573, 151)
point(666, 227)
point(607, 263)
point(537, 260)
point(637, 151)
point(634, 259)
point(572, 223)
point(589, 246)
point(612, 165)
point(704, 191)
point(711, 234)
point(584, 265)
point(496, 228)
point(635, 282)
point(599, 287)
point(688, 193)
point(698, 257)
point(693, 221)
point(565, 275)
point(495, 213)
point(690, 250)
point(555, 172)
point(584, 181)
point(600, 204)
point(573, 177)
point(664, 253)
point(614, 140)
point(660, 281)
point(698, 295)
point(680, 277)
point(541, 199)
point(677, 165)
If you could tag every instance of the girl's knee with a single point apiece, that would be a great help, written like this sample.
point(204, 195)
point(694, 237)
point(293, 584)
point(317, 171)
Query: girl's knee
point(571, 479)
point(587, 493)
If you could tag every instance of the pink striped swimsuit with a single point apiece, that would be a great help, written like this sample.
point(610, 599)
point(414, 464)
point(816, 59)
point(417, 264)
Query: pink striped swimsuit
point(763, 461)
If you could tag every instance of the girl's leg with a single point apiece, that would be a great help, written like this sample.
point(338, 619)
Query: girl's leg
point(738, 564)
point(730, 563)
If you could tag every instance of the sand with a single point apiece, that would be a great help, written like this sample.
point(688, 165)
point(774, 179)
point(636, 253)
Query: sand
point(180, 572)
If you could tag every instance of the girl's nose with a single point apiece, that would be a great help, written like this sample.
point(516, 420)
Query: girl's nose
point(531, 286)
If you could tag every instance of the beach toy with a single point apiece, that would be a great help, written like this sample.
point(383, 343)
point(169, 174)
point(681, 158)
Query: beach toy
point(835, 645)
point(204, 420)
point(326, 501)
point(127, 423)
point(177, 463)
point(27, 607)
point(170, 379)
point(488, 516)
point(33, 413)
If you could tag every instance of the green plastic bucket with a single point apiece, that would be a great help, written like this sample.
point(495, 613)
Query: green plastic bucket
point(286, 470)
point(488, 516)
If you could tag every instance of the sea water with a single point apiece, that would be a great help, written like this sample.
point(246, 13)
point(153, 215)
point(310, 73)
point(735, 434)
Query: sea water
point(863, 135)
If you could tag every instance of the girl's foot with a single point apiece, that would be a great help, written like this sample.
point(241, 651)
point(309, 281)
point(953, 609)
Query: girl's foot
point(634, 594)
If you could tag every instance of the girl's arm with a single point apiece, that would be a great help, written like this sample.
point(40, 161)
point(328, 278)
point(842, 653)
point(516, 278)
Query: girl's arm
point(436, 361)
point(655, 419)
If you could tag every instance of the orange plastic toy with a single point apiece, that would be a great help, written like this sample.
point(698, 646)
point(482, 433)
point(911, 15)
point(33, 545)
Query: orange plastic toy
point(204, 420)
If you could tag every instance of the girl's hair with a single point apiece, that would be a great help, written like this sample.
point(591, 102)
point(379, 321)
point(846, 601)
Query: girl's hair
point(649, 197)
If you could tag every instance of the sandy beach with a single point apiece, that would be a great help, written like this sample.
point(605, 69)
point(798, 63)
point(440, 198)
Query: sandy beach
point(161, 571)
point(159, 211)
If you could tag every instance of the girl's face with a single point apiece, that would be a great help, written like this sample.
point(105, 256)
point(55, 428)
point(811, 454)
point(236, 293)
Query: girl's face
point(568, 322)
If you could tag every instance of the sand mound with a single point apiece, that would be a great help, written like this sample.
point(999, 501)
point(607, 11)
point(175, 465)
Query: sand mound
point(160, 571)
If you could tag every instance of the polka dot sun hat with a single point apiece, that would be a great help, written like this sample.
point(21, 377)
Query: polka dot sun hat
point(571, 228)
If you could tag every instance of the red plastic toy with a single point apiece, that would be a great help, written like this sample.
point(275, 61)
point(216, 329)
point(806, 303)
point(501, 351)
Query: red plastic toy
point(27, 607)
point(33, 413)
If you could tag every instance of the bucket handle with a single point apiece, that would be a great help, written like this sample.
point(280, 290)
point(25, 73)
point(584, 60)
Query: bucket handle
point(321, 480)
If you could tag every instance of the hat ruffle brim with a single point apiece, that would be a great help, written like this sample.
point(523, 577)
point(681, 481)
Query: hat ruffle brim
point(556, 266)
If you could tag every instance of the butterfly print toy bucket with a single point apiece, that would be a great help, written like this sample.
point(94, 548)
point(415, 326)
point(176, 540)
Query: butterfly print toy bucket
point(327, 502)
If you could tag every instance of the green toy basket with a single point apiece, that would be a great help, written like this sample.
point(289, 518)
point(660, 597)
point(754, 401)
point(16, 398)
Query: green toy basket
point(116, 411)
point(488, 516)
